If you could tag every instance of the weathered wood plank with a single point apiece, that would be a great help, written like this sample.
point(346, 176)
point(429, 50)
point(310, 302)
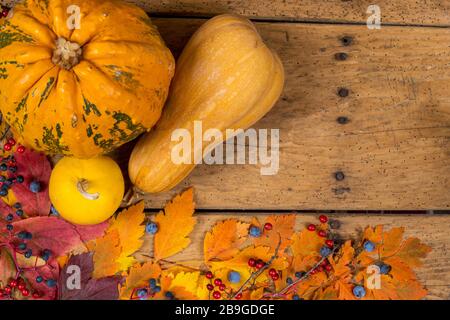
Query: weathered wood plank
point(432, 230)
point(407, 12)
point(395, 149)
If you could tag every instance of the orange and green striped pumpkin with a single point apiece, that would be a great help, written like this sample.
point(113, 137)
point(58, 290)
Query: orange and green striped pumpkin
point(81, 91)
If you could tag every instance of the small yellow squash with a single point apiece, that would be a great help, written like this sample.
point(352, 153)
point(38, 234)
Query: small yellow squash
point(227, 78)
point(86, 191)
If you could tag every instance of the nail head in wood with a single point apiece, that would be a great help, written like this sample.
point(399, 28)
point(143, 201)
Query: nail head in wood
point(341, 56)
point(342, 120)
point(343, 92)
point(347, 40)
point(339, 176)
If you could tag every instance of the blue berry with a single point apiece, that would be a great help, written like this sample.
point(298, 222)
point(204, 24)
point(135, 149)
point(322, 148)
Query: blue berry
point(3, 167)
point(53, 211)
point(369, 246)
point(156, 289)
point(295, 297)
point(17, 205)
point(234, 277)
point(39, 279)
point(50, 283)
point(385, 268)
point(3, 192)
point(22, 246)
point(299, 274)
point(24, 235)
point(289, 281)
point(28, 253)
point(152, 283)
point(9, 227)
point(169, 295)
point(9, 217)
point(13, 169)
point(46, 254)
point(325, 251)
point(2, 179)
point(151, 228)
point(255, 232)
point(142, 293)
point(19, 213)
point(359, 292)
point(35, 186)
point(20, 179)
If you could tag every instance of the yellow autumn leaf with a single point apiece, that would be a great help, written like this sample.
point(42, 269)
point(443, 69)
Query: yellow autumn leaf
point(224, 240)
point(138, 277)
point(129, 225)
point(281, 232)
point(175, 224)
point(192, 282)
point(107, 251)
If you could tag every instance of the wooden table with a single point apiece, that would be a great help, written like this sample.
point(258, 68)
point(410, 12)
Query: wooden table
point(390, 136)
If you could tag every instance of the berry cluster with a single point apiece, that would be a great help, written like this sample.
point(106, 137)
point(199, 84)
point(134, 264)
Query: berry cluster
point(152, 289)
point(256, 263)
point(217, 286)
point(8, 169)
point(256, 232)
point(18, 287)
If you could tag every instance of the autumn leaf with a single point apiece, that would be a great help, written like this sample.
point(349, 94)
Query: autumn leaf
point(224, 240)
point(175, 224)
point(340, 262)
point(138, 277)
point(49, 271)
point(45, 231)
point(7, 266)
point(128, 225)
point(281, 233)
point(412, 251)
point(90, 289)
point(191, 282)
point(32, 166)
point(107, 251)
point(305, 249)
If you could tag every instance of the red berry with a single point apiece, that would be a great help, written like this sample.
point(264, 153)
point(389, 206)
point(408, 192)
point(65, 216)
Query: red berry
point(5, 13)
point(311, 227)
point(319, 269)
point(13, 283)
point(260, 264)
point(275, 277)
point(322, 233)
point(1, 293)
point(7, 147)
point(272, 272)
point(222, 287)
point(268, 226)
point(217, 282)
point(329, 243)
point(328, 267)
point(251, 262)
point(210, 287)
point(21, 286)
point(239, 296)
point(36, 295)
point(217, 295)
point(7, 289)
point(323, 219)
point(20, 149)
point(12, 142)
point(209, 275)
point(324, 263)
point(25, 292)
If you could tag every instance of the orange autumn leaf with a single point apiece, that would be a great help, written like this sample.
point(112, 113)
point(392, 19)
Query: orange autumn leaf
point(306, 243)
point(175, 224)
point(107, 251)
point(129, 225)
point(343, 259)
point(412, 251)
point(223, 241)
point(138, 277)
point(282, 230)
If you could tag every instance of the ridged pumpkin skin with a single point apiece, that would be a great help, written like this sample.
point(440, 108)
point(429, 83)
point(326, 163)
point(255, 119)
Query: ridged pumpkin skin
point(115, 92)
point(227, 78)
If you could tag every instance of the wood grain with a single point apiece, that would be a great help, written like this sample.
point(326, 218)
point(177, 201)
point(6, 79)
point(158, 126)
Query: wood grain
point(406, 12)
point(432, 230)
point(395, 149)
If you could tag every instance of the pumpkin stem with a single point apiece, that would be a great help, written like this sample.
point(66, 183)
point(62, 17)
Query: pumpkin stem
point(67, 54)
point(82, 187)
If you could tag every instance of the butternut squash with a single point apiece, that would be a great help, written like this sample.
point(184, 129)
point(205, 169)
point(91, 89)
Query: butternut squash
point(227, 78)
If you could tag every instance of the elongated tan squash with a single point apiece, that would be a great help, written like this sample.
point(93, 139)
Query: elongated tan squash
point(226, 78)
